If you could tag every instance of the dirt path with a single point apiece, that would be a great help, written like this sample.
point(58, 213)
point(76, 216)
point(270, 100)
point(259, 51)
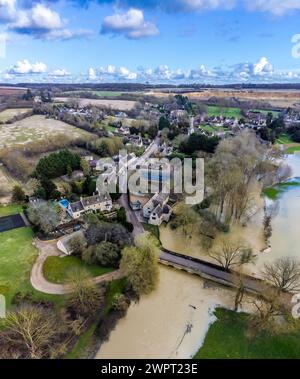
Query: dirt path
point(38, 281)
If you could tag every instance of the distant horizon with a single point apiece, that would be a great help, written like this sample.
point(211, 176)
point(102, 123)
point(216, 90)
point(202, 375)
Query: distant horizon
point(194, 86)
point(170, 41)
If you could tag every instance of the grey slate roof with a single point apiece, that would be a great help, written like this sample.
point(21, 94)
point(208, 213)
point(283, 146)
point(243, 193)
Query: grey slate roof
point(77, 206)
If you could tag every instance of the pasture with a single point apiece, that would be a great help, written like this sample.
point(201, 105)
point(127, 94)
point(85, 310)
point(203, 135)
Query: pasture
point(122, 105)
point(97, 93)
point(8, 114)
point(215, 111)
point(37, 128)
point(17, 255)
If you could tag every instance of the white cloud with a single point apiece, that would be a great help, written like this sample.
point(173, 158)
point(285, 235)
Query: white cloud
point(41, 22)
point(261, 71)
point(7, 10)
point(25, 67)
point(163, 72)
point(92, 75)
point(199, 73)
point(192, 5)
point(262, 67)
point(38, 18)
point(276, 7)
point(66, 34)
point(111, 72)
point(131, 24)
point(59, 72)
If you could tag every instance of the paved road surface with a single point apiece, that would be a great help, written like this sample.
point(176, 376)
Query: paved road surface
point(38, 281)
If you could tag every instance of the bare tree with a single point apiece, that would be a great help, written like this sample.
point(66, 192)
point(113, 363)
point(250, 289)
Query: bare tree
point(267, 227)
point(31, 332)
point(284, 274)
point(236, 173)
point(271, 314)
point(229, 252)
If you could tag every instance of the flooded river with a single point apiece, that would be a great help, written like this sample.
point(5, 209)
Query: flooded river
point(172, 322)
point(285, 240)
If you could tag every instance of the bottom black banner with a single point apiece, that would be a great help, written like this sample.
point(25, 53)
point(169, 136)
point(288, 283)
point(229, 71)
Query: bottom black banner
point(88, 369)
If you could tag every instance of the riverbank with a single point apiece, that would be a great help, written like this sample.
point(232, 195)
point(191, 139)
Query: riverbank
point(227, 339)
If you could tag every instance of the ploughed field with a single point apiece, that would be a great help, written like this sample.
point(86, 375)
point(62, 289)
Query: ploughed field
point(276, 98)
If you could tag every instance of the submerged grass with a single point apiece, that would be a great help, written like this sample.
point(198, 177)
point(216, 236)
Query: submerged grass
point(274, 192)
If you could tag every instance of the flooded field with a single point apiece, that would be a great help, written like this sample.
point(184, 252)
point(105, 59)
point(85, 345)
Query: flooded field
point(170, 323)
point(177, 242)
point(285, 240)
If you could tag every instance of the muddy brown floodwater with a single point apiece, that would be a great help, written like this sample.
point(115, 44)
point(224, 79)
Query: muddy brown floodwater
point(169, 323)
point(172, 322)
point(285, 240)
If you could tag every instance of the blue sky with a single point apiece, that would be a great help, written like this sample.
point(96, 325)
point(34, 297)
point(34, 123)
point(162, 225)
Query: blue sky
point(170, 41)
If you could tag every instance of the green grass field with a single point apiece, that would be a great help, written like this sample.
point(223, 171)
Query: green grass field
point(17, 255)
point(208, 128)
point(98, 93)
point(108, 93)
point(293, 149)
point(284, 139)
point(213, 129)
point(214, 111)
point(290, 146)
point(10, 210)
point(55, 269)
point(226, 339)
point(264, 111)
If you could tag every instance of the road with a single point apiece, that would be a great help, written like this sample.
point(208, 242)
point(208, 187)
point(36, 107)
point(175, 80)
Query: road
point(131, 216)
point(124, 200)
point(40, 283)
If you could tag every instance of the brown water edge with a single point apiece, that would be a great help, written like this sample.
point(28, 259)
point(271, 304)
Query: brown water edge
point(169, 323)
point(191, 245)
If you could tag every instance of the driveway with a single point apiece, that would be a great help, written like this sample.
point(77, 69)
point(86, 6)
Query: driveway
point(38, 282)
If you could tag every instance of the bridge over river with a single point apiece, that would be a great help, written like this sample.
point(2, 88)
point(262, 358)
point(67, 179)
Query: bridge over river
point(217, 273)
